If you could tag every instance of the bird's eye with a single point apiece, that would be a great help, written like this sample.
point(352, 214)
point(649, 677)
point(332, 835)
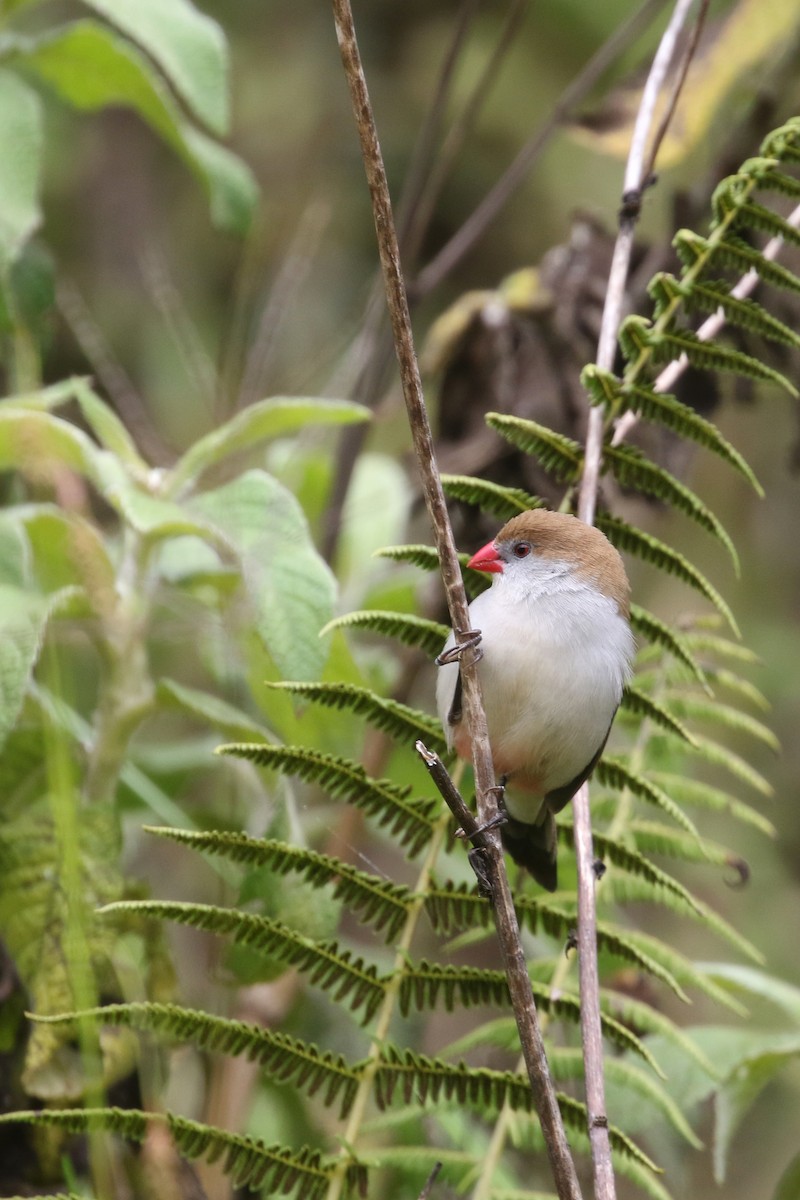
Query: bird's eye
point(521, 549)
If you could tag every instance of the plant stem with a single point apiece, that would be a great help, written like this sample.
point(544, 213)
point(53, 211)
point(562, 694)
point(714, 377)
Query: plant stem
point(508, 931)
point(387, 1010)
point(637, 173)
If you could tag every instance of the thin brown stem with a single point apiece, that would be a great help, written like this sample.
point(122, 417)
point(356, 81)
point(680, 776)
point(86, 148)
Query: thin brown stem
point(637, 177)
point(543, 1091)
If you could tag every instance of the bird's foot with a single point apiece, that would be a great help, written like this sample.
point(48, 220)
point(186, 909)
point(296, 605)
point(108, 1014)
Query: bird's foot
point(471, 641)
point(494, 822)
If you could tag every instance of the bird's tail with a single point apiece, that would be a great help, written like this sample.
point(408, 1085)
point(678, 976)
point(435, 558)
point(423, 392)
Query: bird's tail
point(534, 846)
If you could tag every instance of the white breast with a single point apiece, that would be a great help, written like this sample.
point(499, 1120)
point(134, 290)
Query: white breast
point(553, 669)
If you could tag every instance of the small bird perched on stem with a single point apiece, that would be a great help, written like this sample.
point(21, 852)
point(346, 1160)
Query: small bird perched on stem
point(557, 651)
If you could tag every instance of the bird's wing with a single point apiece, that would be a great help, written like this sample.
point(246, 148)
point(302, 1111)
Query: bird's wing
point(455, 711)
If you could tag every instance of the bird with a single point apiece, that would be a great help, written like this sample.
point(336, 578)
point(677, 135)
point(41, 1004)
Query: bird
point(557, 651)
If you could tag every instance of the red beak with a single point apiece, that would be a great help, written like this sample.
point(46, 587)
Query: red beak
point(487, 559)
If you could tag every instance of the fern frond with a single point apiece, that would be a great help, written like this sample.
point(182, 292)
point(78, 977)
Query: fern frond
point(734, 764)
point(703, 795)
point(335, 971)
point(401, 722)
point(454, 907)
point(745, 313)
point(746, 691)
point(643, 1019)
point(613, 773)
point(285, 1058)
point(630, 889)
point(666, 410)
point(427, 636)
point(633, 862)
point(764, 220)
point(432, 1078)
point(410, 821)
point(735, 253)
point(633, 469)
point(631, 540)
point(681, 968)
point(669, 344)
point(725, 717)
point(378, 901)
point(427, 559)
point(716, 646)
point(424, 983)
point(659, 633)
point(559, 455)
point(246, 1162)
point(644, 706)
point(502, 502)
point(567, 1063)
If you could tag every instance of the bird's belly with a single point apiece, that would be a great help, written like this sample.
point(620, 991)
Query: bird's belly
point(548, 712)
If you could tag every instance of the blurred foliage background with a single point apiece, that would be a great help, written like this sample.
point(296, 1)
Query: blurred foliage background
point(184, 324)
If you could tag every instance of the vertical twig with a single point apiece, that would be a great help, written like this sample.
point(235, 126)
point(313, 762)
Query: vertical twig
point(508, 931)
point(637, 178)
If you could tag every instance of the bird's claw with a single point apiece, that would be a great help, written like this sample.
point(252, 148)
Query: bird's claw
point(499, 818)
point(471, 640)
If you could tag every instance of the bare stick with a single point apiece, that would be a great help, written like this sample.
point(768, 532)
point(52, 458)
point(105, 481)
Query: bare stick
point(508, 931)
point(637, 177)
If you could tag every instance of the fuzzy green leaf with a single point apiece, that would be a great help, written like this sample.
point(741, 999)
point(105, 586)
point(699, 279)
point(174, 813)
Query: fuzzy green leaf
point(289, 586)
point(734, 253)
point(21, 146)
point(410, 821)
point(276, 417)
point(91, 67)
point(188, 46)
point(745, 313)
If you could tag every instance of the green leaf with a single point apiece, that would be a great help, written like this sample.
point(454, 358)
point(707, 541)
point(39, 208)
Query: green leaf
point(91, 68)
point(789, 1182)
point(188, 46)
point(753, 982)
point(273, 418)
point(40, 446)
point(21, 142)
point(290, 588)
point(661, 634)
point(206, 707)
point(738, 1092)
point(22, 618)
